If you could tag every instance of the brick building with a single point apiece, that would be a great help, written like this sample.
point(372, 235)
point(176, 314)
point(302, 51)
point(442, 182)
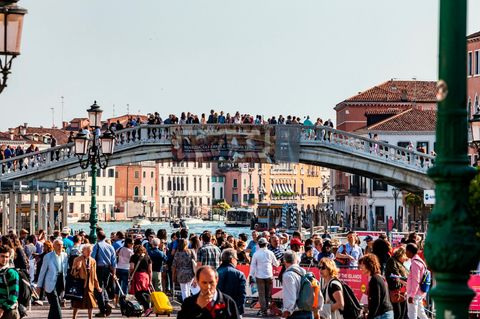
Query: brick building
point(473, 82)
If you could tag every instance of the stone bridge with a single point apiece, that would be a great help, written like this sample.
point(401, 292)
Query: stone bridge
point(322, 146)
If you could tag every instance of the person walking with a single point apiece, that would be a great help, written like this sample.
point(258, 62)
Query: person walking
point(52, 278)
point(261, 268)
point(84, 267)
point(208, 254)
point(415, 295)
point(141, 277)
point(9, 289)
point(158, 258)
point(331, 289)
point(182, 267)
point(210, 302)
point(124, 254)
point(379, 305)
point(396, 274)
point(349, 254)
point(104, 255)
point(291, 281)
point(232, 281)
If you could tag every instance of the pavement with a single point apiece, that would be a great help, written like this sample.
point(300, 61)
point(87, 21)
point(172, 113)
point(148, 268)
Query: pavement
point(40, 312)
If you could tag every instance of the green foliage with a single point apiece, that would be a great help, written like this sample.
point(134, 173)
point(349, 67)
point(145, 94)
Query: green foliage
point(283, 194)
point(223, 205)
point(474, 202)
point(413, 199)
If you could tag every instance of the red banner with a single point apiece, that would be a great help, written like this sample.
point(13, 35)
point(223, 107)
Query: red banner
point(474, 284)
point(352, 277)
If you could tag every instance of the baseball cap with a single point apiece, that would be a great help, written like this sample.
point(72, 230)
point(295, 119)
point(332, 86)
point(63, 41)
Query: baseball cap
point(262, 241)
point(296, 241)
point(368, 238)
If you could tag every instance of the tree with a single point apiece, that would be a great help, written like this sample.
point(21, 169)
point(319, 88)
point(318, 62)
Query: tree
point(474, 202)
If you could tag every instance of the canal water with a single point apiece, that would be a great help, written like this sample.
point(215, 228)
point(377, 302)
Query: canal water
point(196, 228)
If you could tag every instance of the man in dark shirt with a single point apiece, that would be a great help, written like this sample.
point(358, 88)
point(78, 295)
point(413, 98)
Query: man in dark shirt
point(158, 257)
point(231, 281)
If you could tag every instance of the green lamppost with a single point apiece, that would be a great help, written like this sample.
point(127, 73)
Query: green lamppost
point(451, 248)
point(93, 151)
point(11, 26)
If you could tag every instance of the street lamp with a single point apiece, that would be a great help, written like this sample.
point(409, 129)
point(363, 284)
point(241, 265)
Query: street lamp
point(93, 151)
point(11, 26)
point(370, 202)
point(475, 131)
point(395, 193)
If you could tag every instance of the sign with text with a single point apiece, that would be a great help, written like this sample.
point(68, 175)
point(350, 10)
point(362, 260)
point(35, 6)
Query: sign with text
point(429, 197)
point(223, 143)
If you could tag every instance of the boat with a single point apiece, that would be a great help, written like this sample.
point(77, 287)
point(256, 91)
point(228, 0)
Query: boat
point(134, 231)
point(141, 220)
point(178, 224)
point(239, 217)
point(72, 219)
point(192, 220)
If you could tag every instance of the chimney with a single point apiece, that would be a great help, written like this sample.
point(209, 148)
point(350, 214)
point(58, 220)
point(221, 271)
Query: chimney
point(11, 131)
point(23, 130)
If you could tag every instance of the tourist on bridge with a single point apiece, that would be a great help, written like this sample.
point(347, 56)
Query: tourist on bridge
point(210, 302)
point(379, 305)
point(84, 267)
point(232, 281)
point(52, 278)
point(261, 269)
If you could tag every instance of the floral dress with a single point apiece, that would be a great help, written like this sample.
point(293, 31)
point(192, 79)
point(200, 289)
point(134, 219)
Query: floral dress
point(183, 264)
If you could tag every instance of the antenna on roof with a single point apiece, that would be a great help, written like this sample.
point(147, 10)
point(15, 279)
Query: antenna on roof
point(53, 116)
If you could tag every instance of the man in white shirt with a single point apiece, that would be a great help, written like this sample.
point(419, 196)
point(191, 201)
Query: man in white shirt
point(261, 268)
point(291, 279)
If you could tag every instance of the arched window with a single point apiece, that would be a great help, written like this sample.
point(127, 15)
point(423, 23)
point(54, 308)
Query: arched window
point(135, 191)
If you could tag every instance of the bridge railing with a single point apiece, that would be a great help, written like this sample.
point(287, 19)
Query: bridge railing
point(163, 133)
point(372, 148)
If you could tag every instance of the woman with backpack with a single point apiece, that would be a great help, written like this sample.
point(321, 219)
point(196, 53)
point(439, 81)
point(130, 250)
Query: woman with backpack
point(331, 289)
point(379, 305)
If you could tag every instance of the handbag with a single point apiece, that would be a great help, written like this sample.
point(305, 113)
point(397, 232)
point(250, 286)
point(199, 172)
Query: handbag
point(397, 296)
point(74, 289)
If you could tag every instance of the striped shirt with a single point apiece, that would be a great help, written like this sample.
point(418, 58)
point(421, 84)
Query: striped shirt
point(9, 288)
point(209, 255)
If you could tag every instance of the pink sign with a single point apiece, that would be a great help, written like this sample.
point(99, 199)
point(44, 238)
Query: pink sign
point(474, 284)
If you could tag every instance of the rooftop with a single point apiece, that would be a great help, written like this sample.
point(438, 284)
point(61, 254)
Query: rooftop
point(413, 119)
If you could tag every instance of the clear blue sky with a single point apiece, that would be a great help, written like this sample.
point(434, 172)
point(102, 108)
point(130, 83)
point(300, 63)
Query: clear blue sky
point(256, 56)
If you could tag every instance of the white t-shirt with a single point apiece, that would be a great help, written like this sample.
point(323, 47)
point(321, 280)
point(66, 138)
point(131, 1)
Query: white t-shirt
point(124, 255)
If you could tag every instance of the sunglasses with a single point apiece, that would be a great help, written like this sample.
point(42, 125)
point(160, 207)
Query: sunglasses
point(323, 267)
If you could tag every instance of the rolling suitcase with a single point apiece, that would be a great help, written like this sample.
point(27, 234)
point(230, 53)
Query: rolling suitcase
point(161, 304)
point(129, 306)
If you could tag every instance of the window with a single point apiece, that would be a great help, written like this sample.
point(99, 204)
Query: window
point(83, 191)
point(234, 198)
point(111, 172)
point(469, 64)
point(244, 183)
point(380, 214)
point(200, 184)
point(422, 147)
point(169, 184)
point(380, 186)
point(137, 174)
point(82, 208)
point(144, 174)
point(477, 60)
point(116, 174)
point(135, 191)
point(186, 182)
point(213, 193)
point(194, 184)
point(214, 179)
point(161, 183)
point(221, 192)
point(235, 183)
point(208, 183)
point(151, 174)
point(98, 190)
point(144, 191)
point(104, 190)
point(110, 190)
point(151, 191)
point(245, 197)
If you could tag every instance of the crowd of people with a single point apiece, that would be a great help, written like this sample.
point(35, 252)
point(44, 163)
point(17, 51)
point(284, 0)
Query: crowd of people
point(204, 266)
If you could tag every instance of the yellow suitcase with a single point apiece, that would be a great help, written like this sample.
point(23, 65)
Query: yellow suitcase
point(161, 304)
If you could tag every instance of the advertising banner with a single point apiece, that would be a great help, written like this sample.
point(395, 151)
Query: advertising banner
point(474, 284)
point(352, 277)
point(223, 143)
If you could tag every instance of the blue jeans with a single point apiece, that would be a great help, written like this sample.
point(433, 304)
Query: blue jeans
point(301, 315)
point(122, 275)
point(386, 315)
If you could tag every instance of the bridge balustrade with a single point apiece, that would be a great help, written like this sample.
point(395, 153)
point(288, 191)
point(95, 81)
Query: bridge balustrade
point(162, 134)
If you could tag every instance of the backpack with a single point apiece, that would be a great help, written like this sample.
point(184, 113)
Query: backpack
point(351, 308)
point(307, 299)
point(426, 281)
